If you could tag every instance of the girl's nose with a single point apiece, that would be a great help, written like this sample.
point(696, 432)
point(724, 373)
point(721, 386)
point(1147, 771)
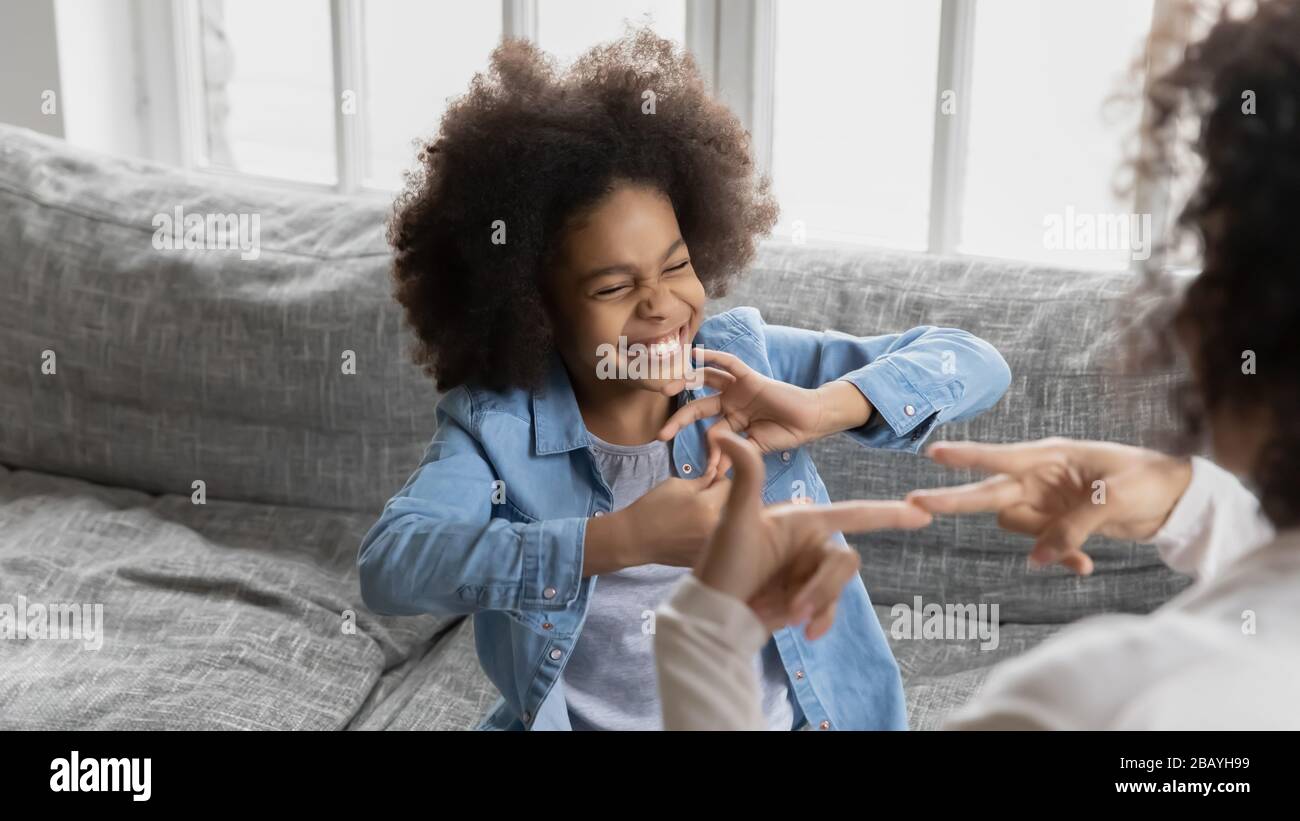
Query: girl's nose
point(654, 305)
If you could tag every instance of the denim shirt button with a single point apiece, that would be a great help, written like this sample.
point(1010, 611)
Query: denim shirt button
point(546, 625)
point(799, 674)
point(557, 654)
point(909, 410)
point(785, 456)
point(527, 716)
point(686, 468)
point(825, 725)
point(548, 593)
point(599, 513)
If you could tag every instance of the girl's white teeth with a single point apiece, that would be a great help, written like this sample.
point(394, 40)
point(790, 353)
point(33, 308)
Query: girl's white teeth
point(664, 344)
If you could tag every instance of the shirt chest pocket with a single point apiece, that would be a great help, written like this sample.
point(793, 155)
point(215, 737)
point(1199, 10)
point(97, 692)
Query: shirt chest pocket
point(503, 507)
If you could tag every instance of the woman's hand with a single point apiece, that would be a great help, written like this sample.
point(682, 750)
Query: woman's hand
point(781, 559)
point(774, 415)
point(1061, 491)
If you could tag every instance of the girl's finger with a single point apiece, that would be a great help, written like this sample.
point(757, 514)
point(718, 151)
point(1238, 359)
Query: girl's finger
point(745, 496)
point(723, 426)
point(690, 413)
point(716, 378)
point(731, 362)
point(697, 378)
point(718, 459)
point(724, 464)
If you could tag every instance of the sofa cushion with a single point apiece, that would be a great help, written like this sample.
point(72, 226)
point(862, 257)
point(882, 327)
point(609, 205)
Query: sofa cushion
point(445, 690)
point(226, 615)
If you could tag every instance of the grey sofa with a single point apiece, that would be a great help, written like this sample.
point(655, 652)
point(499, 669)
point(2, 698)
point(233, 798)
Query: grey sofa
point(176, 367)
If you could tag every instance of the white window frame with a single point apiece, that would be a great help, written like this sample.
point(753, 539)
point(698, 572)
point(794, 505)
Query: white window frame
point(733, 41)
point(951, 131)
point(172, 100)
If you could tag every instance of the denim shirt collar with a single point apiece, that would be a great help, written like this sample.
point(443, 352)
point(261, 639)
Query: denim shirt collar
point(558, 424)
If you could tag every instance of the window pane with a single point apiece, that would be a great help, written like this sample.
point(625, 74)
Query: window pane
point(566, 28)
point(853, 123)
point(269, 87)
point(418, 54)
point(1044, 148)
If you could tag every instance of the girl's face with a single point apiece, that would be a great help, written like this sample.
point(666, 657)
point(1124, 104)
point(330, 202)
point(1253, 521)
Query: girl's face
point(624, 271)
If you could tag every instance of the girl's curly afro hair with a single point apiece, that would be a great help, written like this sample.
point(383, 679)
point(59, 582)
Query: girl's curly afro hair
point(533, 145)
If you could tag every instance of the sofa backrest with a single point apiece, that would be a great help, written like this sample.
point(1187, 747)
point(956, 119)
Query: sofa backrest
point(180, 365)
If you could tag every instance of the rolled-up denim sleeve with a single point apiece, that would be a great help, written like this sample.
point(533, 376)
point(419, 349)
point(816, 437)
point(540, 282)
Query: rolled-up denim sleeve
point(438, 549)
point(915, 380)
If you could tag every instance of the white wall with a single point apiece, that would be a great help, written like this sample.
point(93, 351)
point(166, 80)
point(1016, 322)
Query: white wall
point(88, 52)
point(98, 63)
point(29, 67)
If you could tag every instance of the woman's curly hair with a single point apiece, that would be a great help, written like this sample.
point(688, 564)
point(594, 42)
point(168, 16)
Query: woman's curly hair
point(1242, 212)
point(532, 145)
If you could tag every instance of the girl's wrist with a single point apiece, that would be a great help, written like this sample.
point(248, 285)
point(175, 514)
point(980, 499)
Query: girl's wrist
point(843, 407)
point(609, 546)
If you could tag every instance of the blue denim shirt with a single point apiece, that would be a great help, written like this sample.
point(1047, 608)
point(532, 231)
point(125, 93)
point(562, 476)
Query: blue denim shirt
point(493, 520)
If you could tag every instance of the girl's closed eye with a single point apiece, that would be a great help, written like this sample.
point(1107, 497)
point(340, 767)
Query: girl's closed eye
point(622, 287)
point(613, 290)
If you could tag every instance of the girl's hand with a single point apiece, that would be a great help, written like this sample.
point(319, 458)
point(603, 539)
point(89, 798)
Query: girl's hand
point(1061, 491)
point(781, 559)
point(774, 415)
point(672, 523)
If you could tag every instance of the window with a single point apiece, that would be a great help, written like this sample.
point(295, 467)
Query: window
point(417, 54)
point(267, 97)
point(953, 126)
point(336, 93)
point(566, 28)
point(851, 144)
point(1045, 147)
point(959, 126)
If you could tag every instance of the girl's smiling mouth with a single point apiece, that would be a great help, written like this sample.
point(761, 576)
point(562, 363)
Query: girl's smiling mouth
point(665, 345)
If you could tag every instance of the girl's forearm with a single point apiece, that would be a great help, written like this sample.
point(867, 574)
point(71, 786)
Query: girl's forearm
point(844, 407)
point(608, 546)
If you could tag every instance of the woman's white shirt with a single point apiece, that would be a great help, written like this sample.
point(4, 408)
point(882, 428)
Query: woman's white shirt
point(1223, 654)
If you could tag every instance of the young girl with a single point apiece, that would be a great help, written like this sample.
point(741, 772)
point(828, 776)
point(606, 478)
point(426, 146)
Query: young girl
point(562, 216)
